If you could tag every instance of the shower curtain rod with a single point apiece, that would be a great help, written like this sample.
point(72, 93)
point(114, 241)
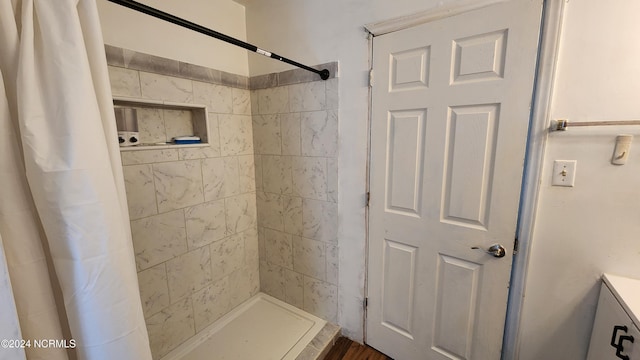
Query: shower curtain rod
point(324, 73)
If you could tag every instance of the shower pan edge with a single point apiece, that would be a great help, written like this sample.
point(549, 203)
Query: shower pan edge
point(251, 328)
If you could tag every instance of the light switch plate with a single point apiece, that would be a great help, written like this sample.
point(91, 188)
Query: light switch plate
point(564, 173)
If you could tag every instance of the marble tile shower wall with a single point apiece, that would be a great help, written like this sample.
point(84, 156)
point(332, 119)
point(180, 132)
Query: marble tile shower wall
point(295, 137)
point(193, 210)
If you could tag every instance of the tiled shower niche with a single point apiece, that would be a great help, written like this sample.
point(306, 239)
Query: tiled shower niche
point(159, 122)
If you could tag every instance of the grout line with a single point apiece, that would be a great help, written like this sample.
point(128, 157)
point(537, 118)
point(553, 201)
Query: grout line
point(155, 189)
point(139, 80)
point(184, 220)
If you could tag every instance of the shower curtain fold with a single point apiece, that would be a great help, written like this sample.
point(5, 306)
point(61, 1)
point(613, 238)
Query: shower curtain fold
point(62, 198)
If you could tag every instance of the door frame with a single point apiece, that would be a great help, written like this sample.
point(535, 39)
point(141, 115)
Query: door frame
point(548, 46)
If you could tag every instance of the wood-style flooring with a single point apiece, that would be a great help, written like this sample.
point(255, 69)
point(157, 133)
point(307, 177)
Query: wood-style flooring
point(346, 349)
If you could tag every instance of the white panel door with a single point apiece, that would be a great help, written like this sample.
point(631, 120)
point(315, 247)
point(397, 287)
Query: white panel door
point(450, 114)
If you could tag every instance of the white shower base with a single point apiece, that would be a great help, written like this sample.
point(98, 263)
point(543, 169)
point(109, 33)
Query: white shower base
point(263, 328)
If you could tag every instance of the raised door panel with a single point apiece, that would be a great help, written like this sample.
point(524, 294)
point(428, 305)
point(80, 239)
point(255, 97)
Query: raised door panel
point(405, 149)
point(479, 57)
point(398, 287)
point(472, 133)
point(409, 69)
point(456, 306)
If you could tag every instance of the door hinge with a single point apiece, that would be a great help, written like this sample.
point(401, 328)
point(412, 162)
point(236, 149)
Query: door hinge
point(365, 303)
point(371, 78)
point(515, 246)
point(368, 199)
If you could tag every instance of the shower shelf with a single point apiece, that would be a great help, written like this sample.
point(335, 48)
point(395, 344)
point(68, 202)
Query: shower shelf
point(162, 146)
point(198, 120)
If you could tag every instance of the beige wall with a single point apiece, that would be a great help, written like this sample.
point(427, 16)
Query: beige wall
point(125, 28)
point(594, 227)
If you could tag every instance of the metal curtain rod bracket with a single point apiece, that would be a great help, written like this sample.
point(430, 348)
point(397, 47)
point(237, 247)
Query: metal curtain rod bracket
point(562, 124)
point(324, 73)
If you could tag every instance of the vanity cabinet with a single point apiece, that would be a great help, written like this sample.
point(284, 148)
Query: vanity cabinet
point(615, 332)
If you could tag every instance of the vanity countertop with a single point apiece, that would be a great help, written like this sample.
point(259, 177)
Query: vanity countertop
point(627, 291)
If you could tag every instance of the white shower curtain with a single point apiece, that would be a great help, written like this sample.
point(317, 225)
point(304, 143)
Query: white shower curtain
point(67, 269)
